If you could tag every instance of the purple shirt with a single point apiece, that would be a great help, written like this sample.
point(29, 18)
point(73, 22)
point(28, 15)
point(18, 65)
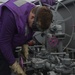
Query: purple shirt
point(8, 39)
point(50, 2)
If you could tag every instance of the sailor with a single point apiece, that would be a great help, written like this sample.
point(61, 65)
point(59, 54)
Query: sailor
point(17, 25)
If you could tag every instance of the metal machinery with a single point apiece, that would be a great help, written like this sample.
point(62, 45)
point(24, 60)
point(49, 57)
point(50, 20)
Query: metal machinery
point(53, 53)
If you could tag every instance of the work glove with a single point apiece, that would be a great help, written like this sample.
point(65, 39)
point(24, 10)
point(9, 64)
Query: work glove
point(17, 68)
point(25, 50)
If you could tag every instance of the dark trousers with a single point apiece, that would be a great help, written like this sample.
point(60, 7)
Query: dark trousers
point(4, 66)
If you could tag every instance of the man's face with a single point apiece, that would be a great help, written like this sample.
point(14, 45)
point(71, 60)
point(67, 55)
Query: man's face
point(31, 19)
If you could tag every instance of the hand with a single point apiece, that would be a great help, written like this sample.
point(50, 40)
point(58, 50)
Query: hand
point(25, 50)
point(31, 42)
point(17, 68)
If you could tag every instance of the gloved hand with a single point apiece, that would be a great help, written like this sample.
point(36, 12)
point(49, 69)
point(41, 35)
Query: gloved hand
point(25, 50)
point(17, 68)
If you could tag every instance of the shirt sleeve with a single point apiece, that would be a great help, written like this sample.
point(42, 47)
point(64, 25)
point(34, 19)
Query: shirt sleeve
point(8, 29)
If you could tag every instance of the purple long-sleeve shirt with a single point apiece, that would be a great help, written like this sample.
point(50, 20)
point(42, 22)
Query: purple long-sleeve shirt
point(8, 40)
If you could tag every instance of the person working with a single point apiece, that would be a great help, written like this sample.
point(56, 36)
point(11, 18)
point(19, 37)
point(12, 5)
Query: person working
point(17, 25)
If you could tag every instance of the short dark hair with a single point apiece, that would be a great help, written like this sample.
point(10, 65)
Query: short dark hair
point(45, 16)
